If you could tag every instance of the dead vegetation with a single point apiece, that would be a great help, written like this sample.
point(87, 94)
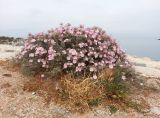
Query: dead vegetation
point(82, 94)
point(10, 65)
point(6, 85)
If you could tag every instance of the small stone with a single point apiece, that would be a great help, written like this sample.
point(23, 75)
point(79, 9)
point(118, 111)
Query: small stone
point(33, 93)
point(140, 64)
point(155, 110)
point(42, 75)
point(153, 83)
point(7, 75)
point(141, 84)
point(124, 78)
point(9, 50)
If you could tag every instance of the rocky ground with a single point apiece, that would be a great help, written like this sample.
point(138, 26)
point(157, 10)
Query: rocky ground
point(11, 40)
point(8, 51)
point(16, 103)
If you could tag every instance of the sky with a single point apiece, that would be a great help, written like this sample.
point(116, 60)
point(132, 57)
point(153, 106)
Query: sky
point(134, 23)
point(19, 17)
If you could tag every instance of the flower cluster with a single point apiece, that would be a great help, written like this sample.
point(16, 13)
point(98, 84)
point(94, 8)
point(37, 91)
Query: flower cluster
point(79, 49)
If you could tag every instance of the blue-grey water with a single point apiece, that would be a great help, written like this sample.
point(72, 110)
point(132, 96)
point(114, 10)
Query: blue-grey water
point(140, 46)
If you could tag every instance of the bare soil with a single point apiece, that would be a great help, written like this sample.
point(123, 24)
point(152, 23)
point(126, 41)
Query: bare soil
point(17, 103)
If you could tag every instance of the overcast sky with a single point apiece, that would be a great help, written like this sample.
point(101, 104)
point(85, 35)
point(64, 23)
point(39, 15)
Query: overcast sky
point(130, 17)
point(134, 23)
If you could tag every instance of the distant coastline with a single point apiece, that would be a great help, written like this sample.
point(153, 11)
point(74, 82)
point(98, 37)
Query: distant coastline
point(11, 40)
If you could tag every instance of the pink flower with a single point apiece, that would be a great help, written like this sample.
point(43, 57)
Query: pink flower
point(43, 65)
point(95, 64)
point(42, 75)
point(91, 69)
point(50, 57)
point(66, 40)
point(31, 55)
point(114, 48)
point(81, 45)
point(24, 52)
point(81, 64)
point(31, 60)
point(75, 57)
point(53, 42)
point(94, 51)
point(73, 52)
point(101, 48)
point(65, 66)
point(40, 51)
point(74, 61)
point(33, 40)
point(110, 66)
point(64, 52)
point(94, 76)
point(96, 55)
point(78, 69)
point(86, 59)
point(68, 58)
point(44, 62)
point(94, 36)
point(71, 31)
point(81, 55)
point(45, 40)
point(123, 77)
point(51, 53)
point(39, 60)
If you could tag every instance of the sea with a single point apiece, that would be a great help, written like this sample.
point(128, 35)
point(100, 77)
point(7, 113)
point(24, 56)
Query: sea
point(140, 46)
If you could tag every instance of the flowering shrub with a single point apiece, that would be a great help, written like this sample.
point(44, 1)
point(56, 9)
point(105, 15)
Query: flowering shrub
point(78, 49)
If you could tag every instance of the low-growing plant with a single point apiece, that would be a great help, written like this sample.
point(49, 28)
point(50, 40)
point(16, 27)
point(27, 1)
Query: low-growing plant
point(94, 102)
point(113, 109)
point(67, 48)
point(114, 83)
point(80, 94)
point(87, 65)
point(115, 91)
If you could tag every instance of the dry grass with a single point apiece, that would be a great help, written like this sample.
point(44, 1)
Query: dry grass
point(10, 65)
point(72, 93)
point(77, 94)
point(46, 88)
point(3, 62)
point(82, 93)
point(106, 74)
point(6, 85)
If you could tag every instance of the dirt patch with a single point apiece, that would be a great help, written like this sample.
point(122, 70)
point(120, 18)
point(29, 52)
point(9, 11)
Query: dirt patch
point(15, 102)
point(6, 85)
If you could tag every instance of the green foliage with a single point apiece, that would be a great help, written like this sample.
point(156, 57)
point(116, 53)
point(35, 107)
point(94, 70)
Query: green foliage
point(68, 48)
point(63, 94)
point(115, 87)
point(116, 91)
point(112, 109)
point(94, 102)
point(27, 71)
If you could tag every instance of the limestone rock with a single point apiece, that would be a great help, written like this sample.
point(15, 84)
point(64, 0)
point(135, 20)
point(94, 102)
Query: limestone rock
point(155, 110)
point(153, 83)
